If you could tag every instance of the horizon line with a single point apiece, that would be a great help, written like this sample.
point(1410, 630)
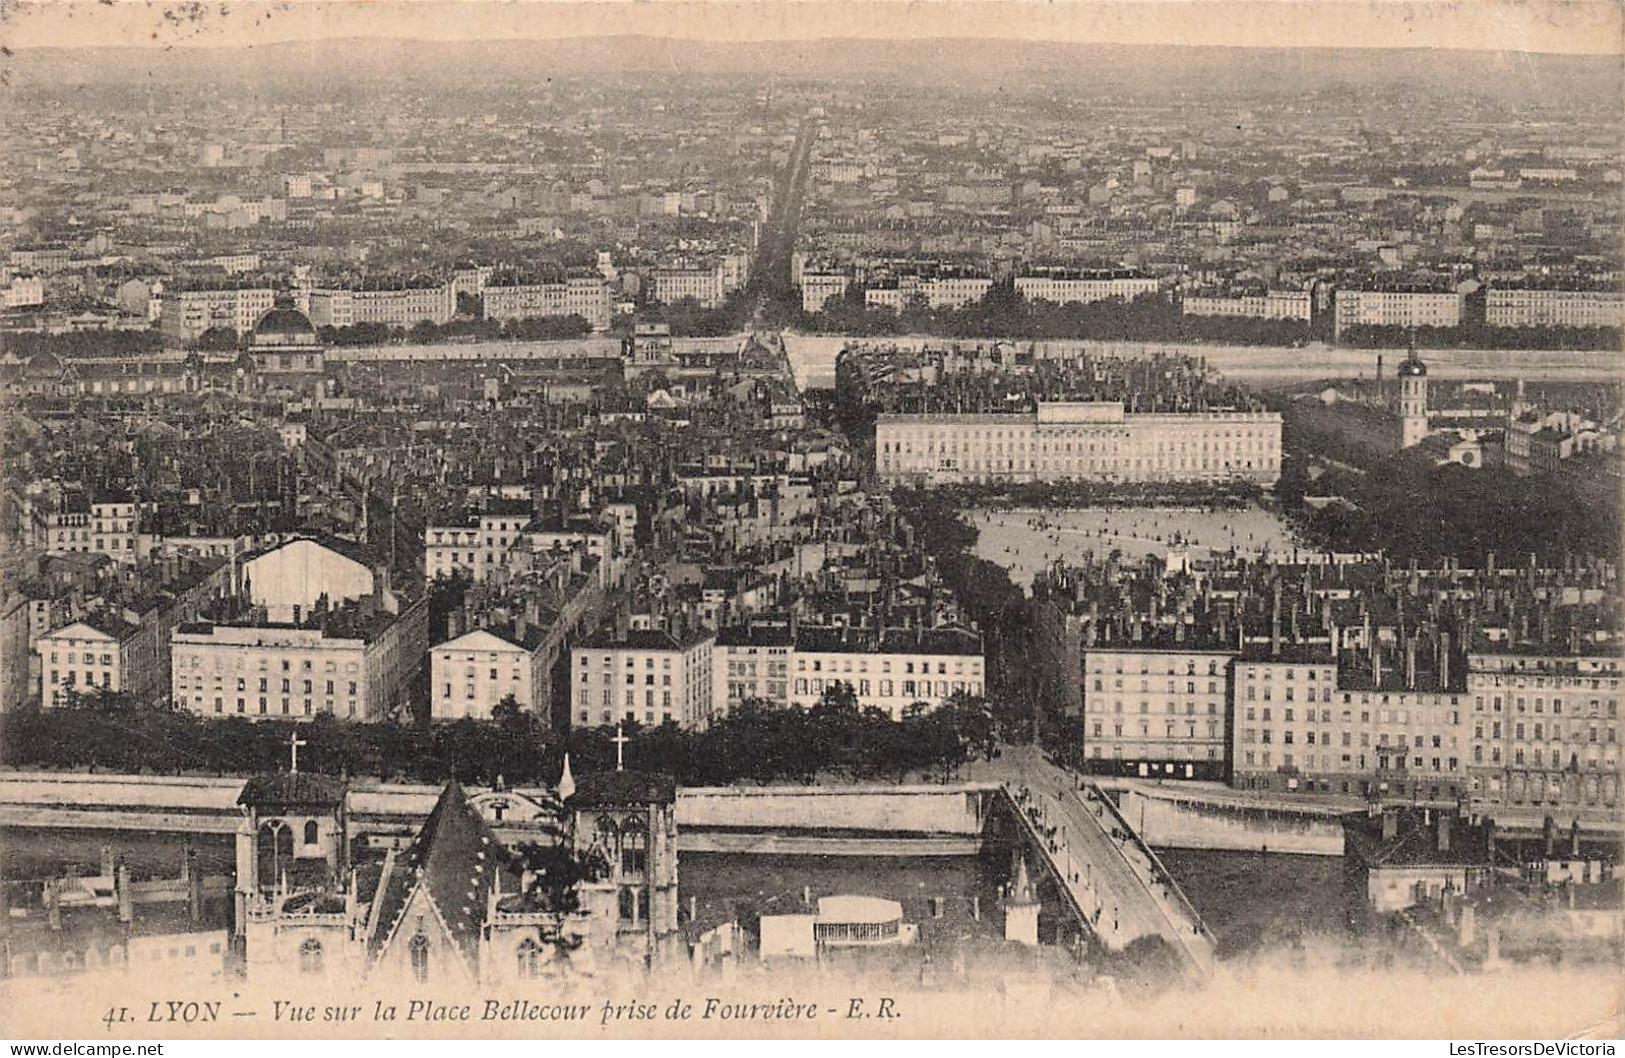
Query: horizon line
point(1505, 27)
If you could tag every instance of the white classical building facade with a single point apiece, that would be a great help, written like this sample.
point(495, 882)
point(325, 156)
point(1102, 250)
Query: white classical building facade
point(1079, 441)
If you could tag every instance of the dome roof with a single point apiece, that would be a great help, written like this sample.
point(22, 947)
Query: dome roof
point(284, 320)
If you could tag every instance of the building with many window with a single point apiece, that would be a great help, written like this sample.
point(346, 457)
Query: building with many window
point(100, 653)
point(1396, 307)
point(1066, 287)
point(586, 296)
point(354, 664)
point(1079, 441)
point(652, 677)
point(1156, 712)
point(1537, 306)
point(102, 525)
point(819, 287)
point(393, 304)
point(891, 671)
point(704, 283)
point(1273, 305)
point(1535, 732)
point(469, 675)
point(480, 545)
point(751, 663)
point(1545, 731)
point(186, 313)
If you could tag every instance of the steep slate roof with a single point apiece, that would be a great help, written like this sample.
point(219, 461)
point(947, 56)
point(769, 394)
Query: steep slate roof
point(455, 859)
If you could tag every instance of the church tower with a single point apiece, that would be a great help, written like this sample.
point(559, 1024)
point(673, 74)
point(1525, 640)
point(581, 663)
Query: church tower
point(1413, 401)
point(627, 821)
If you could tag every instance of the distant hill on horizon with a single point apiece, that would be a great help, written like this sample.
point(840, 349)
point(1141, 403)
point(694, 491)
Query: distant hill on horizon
point(940, 62)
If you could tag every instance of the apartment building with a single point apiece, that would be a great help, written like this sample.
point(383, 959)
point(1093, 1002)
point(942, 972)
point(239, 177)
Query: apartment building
point(102, 526)
point(1065, 288)
point(353, 665)
point(751, 663)
point(1156, 713)
point(1079, 441)
point(1274, 305)
point(480, 545)
point(1396, 308)
point(185, 314)
point(469, 675)
point(891, 671)
point(1545, 731)
point(1529, 306)
point(704, 283)
point(819, 287)
point(101, 652)
point(584, 296)
point(649, 676)
point(24, 291)
point(1295, 730)
point(401, 305)
point(1539, 732)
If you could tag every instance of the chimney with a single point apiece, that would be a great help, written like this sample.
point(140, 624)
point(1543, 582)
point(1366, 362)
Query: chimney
point(1410, 663)
point(1441, 830)
point(1390, 824)
point(1574, 839)
point(1549, 832)
point(1489, 840)
point(1444, 661)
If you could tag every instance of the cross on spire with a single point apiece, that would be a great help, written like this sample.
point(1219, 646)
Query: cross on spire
point(294, 742)
point(620, 741)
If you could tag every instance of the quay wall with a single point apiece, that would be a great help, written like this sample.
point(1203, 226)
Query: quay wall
point(942, 810)
point(201, 804)
point(1175, 822)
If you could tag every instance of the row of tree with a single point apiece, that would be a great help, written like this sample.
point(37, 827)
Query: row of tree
point(1003, 313)
point(533, 329)
point(1482, 336)
point(76, 344)
point(756, 742)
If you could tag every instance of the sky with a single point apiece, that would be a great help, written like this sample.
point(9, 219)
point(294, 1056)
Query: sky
point(1550, 26)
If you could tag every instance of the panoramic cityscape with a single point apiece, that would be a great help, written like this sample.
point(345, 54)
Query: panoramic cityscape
point(1082, 524)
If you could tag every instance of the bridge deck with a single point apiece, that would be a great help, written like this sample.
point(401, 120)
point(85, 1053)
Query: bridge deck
point(1108, 872)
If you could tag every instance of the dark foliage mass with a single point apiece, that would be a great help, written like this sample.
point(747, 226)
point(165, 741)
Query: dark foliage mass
point(1482, 336)
point(1002, 313)
point(1401, 503)
point(757, 742)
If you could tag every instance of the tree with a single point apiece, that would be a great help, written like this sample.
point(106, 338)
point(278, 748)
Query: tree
point(218, 339)
point(513, 718)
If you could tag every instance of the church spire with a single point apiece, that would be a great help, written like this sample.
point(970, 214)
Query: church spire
point(567, 782)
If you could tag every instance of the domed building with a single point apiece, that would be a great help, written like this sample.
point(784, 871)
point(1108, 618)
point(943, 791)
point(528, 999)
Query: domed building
point(284, 342)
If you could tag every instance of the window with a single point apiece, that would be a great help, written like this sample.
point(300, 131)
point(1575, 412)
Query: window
point(310, 955)
point(418, 953)
point(529, 958)
point(310, 832)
